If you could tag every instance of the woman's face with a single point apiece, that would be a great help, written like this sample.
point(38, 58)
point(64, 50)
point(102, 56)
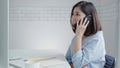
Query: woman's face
point(77, 15)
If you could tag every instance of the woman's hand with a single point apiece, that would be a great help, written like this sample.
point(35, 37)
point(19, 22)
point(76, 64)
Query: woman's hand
point(81, 27)
point(79, 34)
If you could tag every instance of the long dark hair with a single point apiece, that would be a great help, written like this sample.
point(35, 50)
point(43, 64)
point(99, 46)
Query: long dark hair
point(89, 9)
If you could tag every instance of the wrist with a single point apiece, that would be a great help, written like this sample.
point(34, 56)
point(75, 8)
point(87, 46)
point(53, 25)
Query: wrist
point(80, 37)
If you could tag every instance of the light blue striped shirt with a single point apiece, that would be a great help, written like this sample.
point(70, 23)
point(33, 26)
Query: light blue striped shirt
point(92, 54)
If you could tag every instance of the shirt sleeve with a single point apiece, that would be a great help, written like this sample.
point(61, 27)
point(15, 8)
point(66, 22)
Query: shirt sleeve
point(68, 56)
point(91, 52)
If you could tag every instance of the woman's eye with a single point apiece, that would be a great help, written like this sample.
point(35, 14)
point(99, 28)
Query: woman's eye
point(78, 14)
point(75, 14)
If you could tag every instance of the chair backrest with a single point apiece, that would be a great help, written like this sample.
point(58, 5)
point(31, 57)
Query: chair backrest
point(110, 61)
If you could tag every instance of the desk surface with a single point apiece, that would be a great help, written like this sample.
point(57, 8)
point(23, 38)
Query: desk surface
point(25, 54)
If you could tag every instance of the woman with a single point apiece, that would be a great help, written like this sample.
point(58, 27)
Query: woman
point(87, 49)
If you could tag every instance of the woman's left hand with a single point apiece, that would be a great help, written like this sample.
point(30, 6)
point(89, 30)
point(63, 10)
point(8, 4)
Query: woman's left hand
point(81, 27)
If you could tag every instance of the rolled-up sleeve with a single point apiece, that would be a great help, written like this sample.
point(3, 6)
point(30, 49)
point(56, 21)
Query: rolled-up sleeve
point(68, 56)
point(87, 54)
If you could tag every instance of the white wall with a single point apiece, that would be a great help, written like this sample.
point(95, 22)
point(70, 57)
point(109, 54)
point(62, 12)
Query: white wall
point(40, 24)
point(44, 24)
point(109, 15)
point(3, 34)
point(109, 22)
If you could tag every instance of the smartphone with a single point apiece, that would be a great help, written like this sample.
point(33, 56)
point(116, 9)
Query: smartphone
point(89, 18)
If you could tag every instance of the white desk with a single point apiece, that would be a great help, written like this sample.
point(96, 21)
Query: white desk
point(58, 62)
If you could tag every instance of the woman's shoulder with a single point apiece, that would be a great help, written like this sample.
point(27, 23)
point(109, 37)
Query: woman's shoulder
point(97, 36)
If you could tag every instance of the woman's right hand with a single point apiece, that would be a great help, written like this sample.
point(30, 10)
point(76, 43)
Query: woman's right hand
point(81, 27)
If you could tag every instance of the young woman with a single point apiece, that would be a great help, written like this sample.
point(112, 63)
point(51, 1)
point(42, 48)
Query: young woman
point(87, 49)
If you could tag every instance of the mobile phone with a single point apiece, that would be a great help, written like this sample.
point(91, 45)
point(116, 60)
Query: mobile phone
point(89, 17)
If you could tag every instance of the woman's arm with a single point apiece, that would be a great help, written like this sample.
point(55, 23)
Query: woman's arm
point(80, 34)
point(68, 56)
point(78, 44)
point(93, 50)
